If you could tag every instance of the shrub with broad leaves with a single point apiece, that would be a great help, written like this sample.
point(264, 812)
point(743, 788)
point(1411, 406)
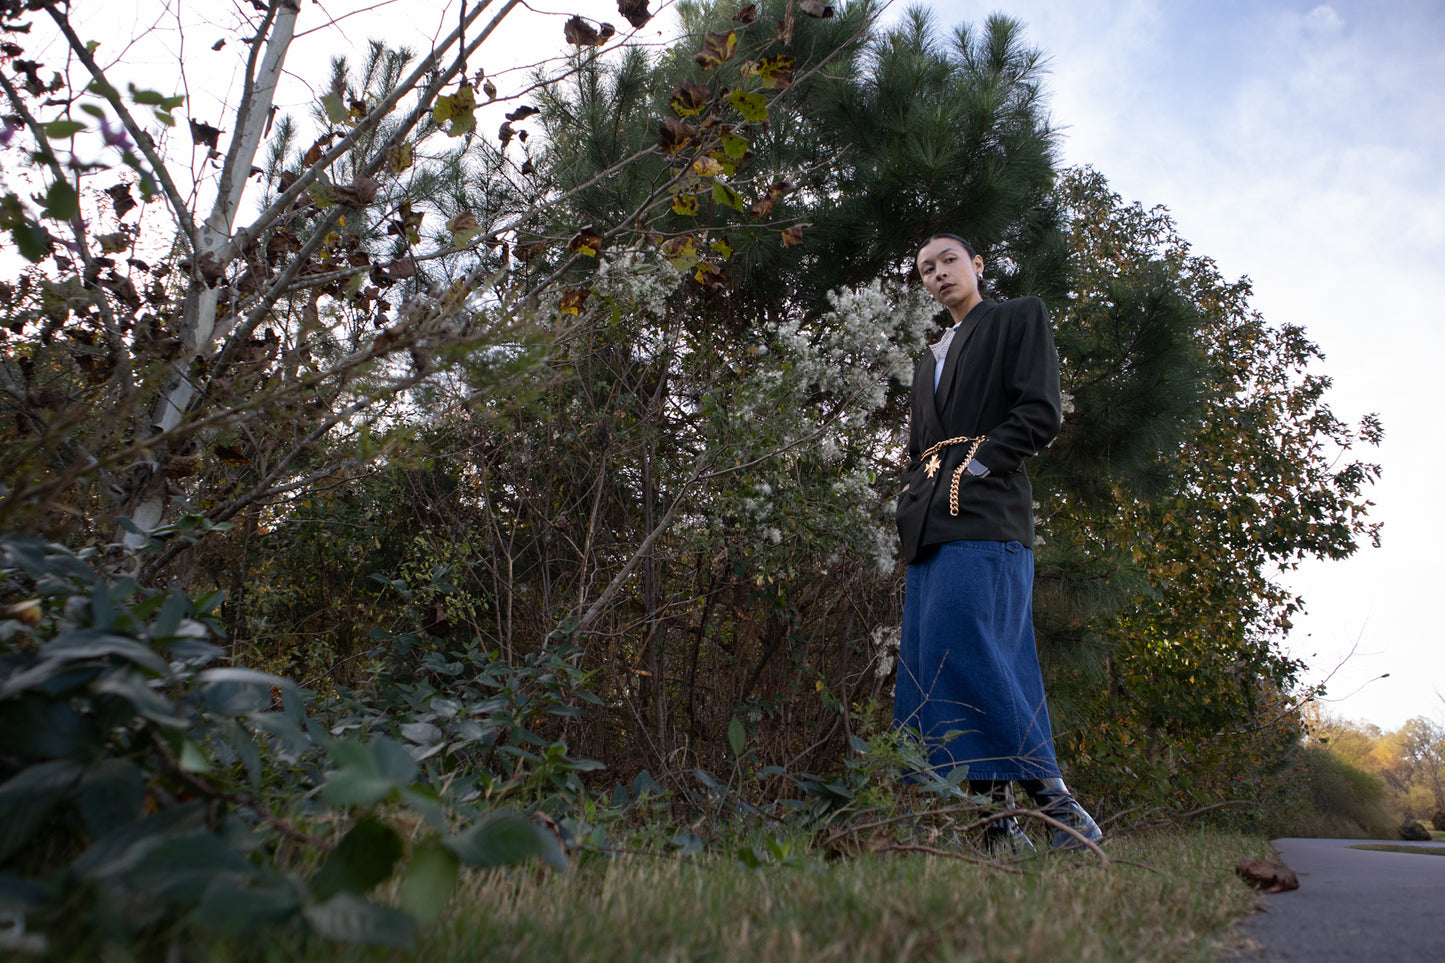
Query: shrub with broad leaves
point(148, 790)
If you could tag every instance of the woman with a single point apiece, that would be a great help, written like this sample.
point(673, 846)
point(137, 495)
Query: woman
point(985, 398)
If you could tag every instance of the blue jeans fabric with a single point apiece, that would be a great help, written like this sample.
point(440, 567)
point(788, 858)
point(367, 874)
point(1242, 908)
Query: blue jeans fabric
point(967, 664)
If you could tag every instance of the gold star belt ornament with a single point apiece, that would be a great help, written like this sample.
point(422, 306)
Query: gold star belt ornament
point(932, 463)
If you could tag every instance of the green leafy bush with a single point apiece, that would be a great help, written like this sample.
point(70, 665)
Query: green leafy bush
point(1319, 794)
point(148, 791)
point(492, 729)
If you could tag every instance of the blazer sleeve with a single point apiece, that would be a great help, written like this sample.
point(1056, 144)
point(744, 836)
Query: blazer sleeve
point(1030, 383)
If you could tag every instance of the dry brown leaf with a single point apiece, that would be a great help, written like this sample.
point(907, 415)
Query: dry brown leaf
point(1268, 875)
point(635, 11)
point(580, 33)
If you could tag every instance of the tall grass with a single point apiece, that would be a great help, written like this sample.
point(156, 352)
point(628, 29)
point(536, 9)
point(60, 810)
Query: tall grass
point(1169, 897)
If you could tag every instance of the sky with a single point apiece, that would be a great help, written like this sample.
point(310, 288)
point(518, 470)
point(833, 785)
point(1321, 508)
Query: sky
point(1299, 144)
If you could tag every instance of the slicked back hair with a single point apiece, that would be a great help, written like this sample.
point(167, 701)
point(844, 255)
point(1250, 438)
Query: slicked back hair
point(952, 237)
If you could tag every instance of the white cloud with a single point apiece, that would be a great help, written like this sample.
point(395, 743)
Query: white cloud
point(1323, 20)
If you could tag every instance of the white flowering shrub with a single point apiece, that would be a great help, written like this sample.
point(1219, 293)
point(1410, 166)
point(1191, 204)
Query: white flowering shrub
point(817, 395)
point(701, 497)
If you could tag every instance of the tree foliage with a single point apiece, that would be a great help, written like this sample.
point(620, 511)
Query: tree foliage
point(1408, 763)
point(1202, 458)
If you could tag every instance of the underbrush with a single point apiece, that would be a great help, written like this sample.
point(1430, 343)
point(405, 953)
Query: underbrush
point(156, 802)
point(1318, 794)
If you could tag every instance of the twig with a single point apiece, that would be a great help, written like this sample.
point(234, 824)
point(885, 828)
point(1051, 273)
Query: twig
point(638, 852)
point(141, 138)
point(1048, 820)
point(247, 800)
point(243, 238)
point(950, 854)
point(1138, 865)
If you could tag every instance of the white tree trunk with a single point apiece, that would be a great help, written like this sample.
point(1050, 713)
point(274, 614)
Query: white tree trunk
point(199, 321)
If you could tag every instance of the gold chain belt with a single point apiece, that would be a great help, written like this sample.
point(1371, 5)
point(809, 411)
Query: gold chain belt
point(932, 463)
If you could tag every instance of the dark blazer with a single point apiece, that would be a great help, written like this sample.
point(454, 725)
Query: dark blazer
point(1000, 379)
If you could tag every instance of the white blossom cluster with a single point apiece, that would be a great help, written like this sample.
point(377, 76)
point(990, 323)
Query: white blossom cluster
point(882, 547)
point(886, 640)
point(870, 336)
point(829, 451)
point(757, 502)
point(867, 532)
point(643, 278)
point(810, 395)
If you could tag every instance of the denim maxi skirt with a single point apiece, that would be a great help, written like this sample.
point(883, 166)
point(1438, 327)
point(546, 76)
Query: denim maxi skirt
point(967, 663)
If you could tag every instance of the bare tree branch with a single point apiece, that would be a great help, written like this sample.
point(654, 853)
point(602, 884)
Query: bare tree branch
point(179, 208)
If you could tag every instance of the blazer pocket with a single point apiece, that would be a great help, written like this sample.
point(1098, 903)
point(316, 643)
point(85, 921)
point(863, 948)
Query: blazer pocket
point(914, 482)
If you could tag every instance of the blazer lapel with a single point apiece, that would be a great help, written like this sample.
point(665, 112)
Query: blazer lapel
point(950, 362)
point(924, 410)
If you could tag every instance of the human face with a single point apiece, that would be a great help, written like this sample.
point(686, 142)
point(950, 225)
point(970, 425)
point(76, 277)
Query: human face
point(950, 275)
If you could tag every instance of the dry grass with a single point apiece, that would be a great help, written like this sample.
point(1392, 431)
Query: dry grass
point(1165, 897)
point(1401, 848)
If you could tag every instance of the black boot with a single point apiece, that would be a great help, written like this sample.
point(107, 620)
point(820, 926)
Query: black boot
point(1004, 837)
point(1054, 799)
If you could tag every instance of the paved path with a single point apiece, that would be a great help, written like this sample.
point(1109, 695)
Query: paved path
point(1353, 905)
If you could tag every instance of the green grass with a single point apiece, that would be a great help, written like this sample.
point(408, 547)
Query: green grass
point(1401, 848)
point(1163, 897)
